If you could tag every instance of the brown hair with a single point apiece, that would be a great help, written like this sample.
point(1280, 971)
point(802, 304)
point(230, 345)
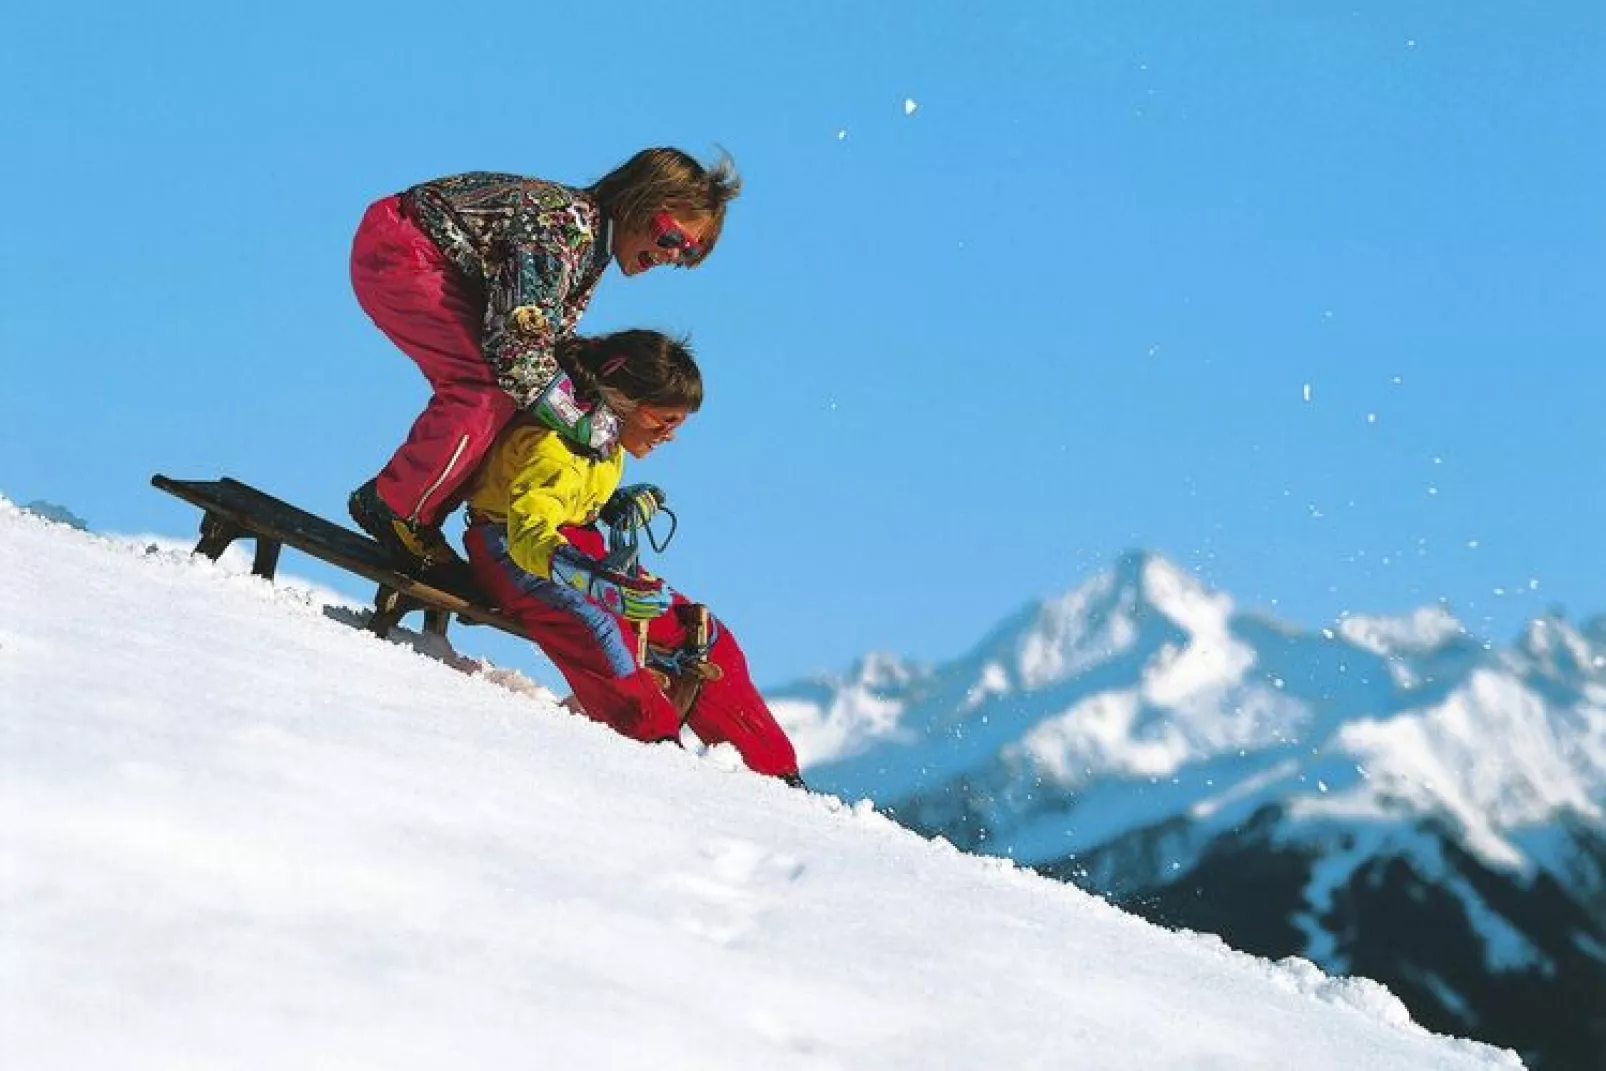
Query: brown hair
point(669, 180)
point(631, 368)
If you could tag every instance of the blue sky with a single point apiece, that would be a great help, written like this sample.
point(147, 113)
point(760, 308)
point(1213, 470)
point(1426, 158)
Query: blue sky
point(958, 358)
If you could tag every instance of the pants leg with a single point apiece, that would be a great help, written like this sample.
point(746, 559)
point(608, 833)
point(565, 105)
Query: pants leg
point(587, 644)
point(435, 316)
point(730, 710)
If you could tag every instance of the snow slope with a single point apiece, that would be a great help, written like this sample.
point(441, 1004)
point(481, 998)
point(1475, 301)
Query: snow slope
point(237, 833)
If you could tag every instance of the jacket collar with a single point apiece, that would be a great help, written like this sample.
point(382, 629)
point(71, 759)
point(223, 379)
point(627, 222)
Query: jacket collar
point(603, 250)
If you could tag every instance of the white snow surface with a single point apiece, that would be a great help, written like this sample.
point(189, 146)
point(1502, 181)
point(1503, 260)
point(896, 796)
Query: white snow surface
point(237, 833)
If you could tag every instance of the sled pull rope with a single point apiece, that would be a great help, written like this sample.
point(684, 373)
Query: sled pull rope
point(624, 541)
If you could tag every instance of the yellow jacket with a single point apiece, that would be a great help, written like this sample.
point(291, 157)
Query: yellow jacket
point(535, 483)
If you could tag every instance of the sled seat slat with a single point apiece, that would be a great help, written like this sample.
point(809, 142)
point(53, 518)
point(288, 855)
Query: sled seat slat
point(233, 510)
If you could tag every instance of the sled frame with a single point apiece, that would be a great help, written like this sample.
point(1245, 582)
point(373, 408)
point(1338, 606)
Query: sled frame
point(233, 510)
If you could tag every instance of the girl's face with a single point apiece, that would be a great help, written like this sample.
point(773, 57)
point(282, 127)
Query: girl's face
point(665, 239)
point(644, 428)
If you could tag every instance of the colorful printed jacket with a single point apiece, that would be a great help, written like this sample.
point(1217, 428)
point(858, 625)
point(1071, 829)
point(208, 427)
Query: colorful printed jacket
point(538, 248)
point(535, 483)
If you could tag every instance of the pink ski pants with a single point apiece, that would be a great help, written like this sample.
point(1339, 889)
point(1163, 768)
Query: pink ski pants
point(596, 653)
point(435, 316)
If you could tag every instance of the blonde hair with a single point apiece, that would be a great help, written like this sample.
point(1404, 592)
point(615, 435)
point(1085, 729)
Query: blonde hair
point(669, 180)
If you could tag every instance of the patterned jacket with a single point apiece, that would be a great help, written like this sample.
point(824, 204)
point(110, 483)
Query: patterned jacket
point(538, 249)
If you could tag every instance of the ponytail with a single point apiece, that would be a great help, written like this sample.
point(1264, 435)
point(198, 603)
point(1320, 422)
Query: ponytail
point(630, 368)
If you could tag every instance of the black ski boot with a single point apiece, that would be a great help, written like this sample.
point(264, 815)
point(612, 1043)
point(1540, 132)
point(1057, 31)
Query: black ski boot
point(420, 546)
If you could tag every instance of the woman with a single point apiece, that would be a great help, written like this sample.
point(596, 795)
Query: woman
point(477, 277)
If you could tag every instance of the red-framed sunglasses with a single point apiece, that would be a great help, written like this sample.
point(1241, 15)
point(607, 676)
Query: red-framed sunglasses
point(669, 234)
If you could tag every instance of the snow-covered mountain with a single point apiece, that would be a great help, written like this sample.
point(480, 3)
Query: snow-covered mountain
point(1390, 796)
point(50, 511)
point(236, 832)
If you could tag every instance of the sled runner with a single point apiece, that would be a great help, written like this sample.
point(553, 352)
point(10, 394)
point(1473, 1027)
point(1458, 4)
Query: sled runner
point(234, 510)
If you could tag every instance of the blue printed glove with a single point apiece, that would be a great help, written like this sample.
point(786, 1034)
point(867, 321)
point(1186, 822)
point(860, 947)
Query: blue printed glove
point(635, 598)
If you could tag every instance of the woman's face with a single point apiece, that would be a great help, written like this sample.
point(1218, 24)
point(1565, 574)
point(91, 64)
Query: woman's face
point(664, 239)
point(644, 428)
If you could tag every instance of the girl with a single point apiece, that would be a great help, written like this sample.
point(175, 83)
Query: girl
point(477, 277)
point(535, 549)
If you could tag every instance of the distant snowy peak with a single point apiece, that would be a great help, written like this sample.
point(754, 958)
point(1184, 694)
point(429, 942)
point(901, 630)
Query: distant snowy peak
point(51, 511)
point(1424, 631)
point(885, 672)
point(1115, 612)
point(1142, 608)
point(1556, 649)
point(1488, 757)
point(1425, 645)
point(837, 717)
point(1143, 672)
point(1173, 592)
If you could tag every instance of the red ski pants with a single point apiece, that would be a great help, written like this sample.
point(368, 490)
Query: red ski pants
point(435, 316)
point(596, 653)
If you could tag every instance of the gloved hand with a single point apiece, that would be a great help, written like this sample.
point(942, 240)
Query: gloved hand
point(635, 598)
point(633, 506)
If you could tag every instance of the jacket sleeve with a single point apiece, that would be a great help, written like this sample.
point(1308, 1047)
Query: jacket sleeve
point(545, 495)
point(524, 317)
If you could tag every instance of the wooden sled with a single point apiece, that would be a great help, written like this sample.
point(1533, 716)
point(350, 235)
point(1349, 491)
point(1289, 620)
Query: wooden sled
point(233, 510)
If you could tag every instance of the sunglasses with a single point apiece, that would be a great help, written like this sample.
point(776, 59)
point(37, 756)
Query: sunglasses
point(668, 234)
point(653, 424)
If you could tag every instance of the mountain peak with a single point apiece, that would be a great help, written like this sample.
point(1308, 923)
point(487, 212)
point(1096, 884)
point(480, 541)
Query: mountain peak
point(1115, 611)
point(1559, 648)
point(1424, 630)
point(1140, 569)
point(882, 671)
point(1146, 584)
point(1132, 563)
